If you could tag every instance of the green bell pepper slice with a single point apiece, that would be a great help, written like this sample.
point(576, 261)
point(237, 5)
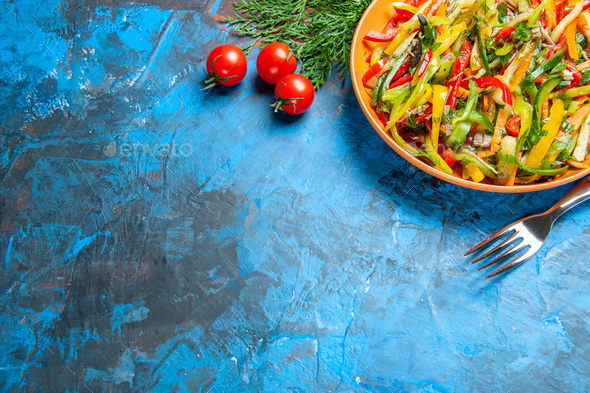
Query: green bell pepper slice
point(550, 63)
point(466, 117)
point(481, 46)
point(542, 172)
point(430, 71)
point(524, 110)
point(537, 132)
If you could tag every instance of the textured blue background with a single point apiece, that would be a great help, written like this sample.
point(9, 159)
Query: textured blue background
point(156, 236)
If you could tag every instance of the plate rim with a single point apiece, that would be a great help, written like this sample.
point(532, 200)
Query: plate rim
point(356, 46)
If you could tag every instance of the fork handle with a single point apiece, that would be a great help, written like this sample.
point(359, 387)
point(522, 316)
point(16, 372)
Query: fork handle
point(578, 194)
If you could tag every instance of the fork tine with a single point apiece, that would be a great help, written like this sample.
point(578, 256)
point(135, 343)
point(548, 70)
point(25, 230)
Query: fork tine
point(499, 247)
point(510, 265)
point(493, 237)
point(508, 254)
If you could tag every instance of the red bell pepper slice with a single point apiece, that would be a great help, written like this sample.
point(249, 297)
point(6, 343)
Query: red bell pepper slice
point(424, 116)
point(400, 81)
point(513, 126)
point(449, 157)
point(402, 69)
point(388, 32)
point(465, 84)
point(567, 10)
point(425, 62)
point(577, 75)
point(402, 15)
point(559, 8)
point(376, 36)
point(504, 34)
point(375, 70)
point(383, 118)
point(390, 23)
point(453, 88)
point(463, 60)
point(543, 20)
point(487, 81)
point(557, 46)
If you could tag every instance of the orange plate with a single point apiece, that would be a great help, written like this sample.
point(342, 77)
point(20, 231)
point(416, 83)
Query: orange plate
point(375, 17)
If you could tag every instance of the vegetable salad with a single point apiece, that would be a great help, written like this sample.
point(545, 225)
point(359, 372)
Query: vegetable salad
point(497, 87)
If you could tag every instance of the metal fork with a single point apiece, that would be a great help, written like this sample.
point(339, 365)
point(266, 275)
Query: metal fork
point(528, 234)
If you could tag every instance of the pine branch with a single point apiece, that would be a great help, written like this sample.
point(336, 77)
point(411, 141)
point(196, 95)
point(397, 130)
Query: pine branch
point(318, 32)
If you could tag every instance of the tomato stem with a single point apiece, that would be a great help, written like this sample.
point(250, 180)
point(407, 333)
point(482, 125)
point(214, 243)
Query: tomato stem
point(281, 101)
point(212, 79)
point(209, 86)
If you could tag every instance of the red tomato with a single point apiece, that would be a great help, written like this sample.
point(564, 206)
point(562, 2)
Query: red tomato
point(226, 65)
point(274, 62)
point(294, 94)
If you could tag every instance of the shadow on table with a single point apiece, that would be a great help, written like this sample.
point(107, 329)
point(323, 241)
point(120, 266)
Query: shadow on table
point(464, 212)
point(280, 118)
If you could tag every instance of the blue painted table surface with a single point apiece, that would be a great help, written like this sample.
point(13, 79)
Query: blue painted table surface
point(160, 237)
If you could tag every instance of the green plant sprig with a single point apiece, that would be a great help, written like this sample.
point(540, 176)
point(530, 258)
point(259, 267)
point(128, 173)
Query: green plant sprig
point(318, 32)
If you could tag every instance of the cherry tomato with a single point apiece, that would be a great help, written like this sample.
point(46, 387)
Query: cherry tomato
point(226, 65)
point(274, 62)
point(294, 94)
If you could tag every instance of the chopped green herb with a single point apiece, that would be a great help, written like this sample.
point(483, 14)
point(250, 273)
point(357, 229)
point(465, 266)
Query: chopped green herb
point(502, 12)
point(528, 82)
point(411, 121)
point(429, 37)
point(558, 68)
point(545, 164)
point(567, 127)
point(461, 104)
point(510, 158)
point(523, 33)
point(585, 77)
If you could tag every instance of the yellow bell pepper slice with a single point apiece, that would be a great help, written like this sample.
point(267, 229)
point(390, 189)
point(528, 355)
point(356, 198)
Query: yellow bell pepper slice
point(475, 60)
point(399, 38)
point(404, 6)
point(449, 37)
point(551, 19)
point(376, 55)
point(570, 39)
point(584, 19)
point(442, 11)
point(471, 170)
point(538, 151)
point(439, 97)
point(425, 93)
point(432, 153)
